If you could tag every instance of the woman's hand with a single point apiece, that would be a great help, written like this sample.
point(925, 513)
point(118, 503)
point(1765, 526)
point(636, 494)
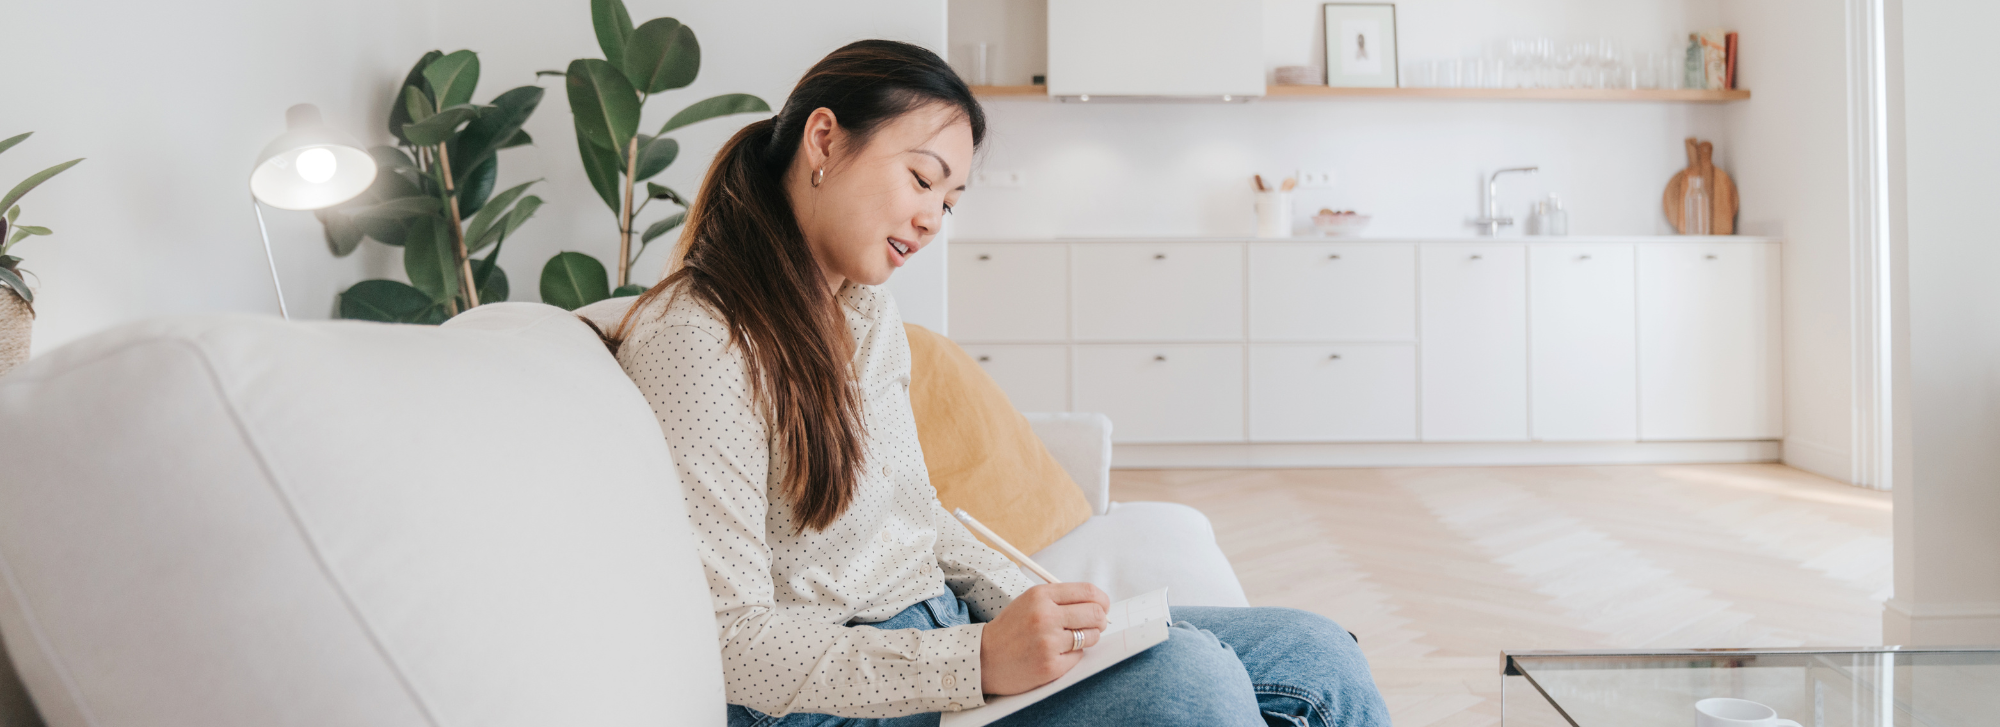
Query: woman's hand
point(1029, 644)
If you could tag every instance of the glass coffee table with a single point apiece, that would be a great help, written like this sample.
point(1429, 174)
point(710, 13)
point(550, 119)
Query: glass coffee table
point(1860, 687)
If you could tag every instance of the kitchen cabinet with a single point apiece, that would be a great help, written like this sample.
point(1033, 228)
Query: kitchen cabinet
point(1474, 366)
point(1164, 291)
point(1708, 351)
point(1164, 393)
point(1333, 392)
point(1036, 378)
point(1583, 348)
point(1356, 291)
point(1009, 293)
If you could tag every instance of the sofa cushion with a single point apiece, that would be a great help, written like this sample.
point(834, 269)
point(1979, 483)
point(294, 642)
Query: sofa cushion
point(1143, 546)
point(236, 521)
point(982, 455)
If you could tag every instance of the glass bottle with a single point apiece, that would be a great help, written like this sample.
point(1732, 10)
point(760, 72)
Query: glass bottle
point(1555, 219)
point(1695, 207)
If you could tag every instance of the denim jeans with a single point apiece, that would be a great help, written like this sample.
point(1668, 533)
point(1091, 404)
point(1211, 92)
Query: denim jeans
point(1218, 667)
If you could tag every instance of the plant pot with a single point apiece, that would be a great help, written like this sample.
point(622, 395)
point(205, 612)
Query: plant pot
point(16, 324)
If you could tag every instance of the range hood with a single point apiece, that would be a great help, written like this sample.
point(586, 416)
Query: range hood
point(1156, 50)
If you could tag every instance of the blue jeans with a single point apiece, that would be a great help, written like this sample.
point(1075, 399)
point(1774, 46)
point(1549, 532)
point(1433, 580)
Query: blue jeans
point(1218, 667)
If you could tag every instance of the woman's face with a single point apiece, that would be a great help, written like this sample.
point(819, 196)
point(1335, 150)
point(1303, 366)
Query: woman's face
point(882, 203)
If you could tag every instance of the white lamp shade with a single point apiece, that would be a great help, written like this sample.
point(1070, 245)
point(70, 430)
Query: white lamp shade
point(277, 179)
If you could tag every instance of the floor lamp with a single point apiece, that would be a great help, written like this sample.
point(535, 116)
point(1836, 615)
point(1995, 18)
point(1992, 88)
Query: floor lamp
point(309, 167)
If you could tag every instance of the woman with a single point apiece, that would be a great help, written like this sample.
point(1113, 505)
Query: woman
point(843, 593)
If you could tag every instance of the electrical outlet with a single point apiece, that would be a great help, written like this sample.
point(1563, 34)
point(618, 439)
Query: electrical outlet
point(1310, 180)
point(999, 179)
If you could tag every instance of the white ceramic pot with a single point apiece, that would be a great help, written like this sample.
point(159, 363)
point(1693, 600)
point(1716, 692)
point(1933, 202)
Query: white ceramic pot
point(16, 324)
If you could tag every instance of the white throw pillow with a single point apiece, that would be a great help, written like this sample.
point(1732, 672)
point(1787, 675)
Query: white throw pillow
point(234, 521)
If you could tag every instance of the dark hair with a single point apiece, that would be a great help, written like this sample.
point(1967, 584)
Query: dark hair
point(742, 254)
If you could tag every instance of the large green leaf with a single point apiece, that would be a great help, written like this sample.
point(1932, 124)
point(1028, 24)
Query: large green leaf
point(453, 78)
point(664, 226)
point(661, 191)
point(602, 166)
point(476, 227)
point(399, 113)
point(9, 279)
point(343, 234)
point(475, 186)
point(491, 280)
point(427, 258)
point(627, 290)
point(520, 138)
point(21, 190)
point(9, 142)
point(613, 26)
point(655, 155)
point(497, 127)
point(436, 129)
point(708, 108)
point(662, 55)
point(386, 301)
point(505, 228)
point(572, 280)
point(417, 105)
point(603, 102)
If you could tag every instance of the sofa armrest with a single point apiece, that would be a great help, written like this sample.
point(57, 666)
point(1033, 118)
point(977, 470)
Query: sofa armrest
point(1081, 443)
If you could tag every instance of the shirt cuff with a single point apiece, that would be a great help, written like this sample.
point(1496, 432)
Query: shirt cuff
point(959, 679)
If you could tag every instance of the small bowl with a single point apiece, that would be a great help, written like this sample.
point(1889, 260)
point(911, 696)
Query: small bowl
point(1338, 225)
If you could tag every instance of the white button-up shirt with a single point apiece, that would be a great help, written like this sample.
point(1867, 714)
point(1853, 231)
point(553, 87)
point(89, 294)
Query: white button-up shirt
point(783, 600)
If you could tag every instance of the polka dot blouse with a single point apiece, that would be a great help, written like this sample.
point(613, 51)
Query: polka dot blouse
point(789, 606)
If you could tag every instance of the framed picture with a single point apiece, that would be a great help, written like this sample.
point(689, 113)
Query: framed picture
point(1361, 44)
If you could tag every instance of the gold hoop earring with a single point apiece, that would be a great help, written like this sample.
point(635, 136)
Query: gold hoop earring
point(819, 175)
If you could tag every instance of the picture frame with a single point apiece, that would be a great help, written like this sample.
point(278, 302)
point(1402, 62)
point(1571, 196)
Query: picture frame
point(1361, 45)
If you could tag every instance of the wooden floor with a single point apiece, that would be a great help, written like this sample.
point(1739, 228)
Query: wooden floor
point(1438, 570)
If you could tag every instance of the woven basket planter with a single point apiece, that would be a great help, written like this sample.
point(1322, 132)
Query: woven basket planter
point(16, 324)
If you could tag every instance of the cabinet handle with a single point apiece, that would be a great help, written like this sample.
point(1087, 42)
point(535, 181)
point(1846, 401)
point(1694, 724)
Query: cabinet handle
point(1335, 357)
point(1476, 257)
point(1333, 257)
point(1711, 257)
point(1159, 256)
point(1159, 357)
point(984, 359)
point(986, 257)
point(1583, 257)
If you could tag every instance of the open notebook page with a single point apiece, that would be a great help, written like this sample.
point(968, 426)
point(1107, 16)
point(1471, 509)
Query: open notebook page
point(1135, 624)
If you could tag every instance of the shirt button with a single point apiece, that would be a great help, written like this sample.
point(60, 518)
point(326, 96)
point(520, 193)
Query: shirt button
point(884, 537)
point(953, 707)
point(885, 471)
point(950, 681)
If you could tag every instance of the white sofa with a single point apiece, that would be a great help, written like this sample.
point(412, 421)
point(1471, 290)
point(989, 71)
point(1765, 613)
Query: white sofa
point(233, 521)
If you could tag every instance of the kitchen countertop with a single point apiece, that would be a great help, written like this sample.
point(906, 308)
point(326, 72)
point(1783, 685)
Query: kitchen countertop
point(1567, 239)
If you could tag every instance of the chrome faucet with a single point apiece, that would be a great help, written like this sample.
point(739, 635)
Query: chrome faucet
point(1490, 224)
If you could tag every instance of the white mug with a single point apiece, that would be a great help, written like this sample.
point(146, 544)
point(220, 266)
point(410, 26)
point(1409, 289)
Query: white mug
point(1726, 712)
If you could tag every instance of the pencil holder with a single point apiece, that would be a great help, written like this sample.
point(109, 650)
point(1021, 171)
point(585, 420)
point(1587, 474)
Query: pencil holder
point(1274, 214)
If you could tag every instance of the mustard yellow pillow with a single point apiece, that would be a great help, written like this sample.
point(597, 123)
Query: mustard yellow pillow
point(982, 455)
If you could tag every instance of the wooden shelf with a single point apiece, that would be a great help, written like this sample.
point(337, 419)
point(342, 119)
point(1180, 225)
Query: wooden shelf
point(1310, 93)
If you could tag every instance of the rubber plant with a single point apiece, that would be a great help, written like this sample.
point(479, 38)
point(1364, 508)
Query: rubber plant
point(606, 96)
point(434, 196)
point(12, 232)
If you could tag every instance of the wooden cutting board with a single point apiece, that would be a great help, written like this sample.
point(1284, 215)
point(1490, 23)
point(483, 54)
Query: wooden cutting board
point(1722, 190)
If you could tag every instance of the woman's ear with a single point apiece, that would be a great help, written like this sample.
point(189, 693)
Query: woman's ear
point(818, 137)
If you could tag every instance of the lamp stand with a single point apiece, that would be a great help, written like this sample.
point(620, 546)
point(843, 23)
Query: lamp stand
point(275, 287)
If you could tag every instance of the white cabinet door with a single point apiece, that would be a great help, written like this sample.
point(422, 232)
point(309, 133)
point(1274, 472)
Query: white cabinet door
point(1135, 291)
point(1036, 378)
point(1475, 342)
point(1009, 292)
point(1709, 332)
point(1364, 392)
point(1178, 393)
point(1364, 291)
point(1582, 343)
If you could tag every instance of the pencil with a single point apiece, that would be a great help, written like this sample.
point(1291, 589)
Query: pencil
point(1004, 546)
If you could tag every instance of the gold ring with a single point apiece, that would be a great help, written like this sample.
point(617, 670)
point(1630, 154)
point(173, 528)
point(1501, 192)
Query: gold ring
point(1077, 636)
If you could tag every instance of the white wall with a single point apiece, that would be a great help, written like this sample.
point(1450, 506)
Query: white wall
point(170, 104)
point(1947, 588)
point(1788, 149)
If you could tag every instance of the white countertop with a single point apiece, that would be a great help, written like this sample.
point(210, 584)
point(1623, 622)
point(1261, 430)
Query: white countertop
point(1567, 239)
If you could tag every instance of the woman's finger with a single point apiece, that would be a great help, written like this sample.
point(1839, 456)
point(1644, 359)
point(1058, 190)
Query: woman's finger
point(1083, 616)
point(1076, 592)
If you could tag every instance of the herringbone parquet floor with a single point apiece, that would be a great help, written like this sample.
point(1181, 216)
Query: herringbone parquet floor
point(1439, 569)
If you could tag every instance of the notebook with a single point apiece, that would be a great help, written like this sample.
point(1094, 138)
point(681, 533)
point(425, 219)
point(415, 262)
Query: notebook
point(1134, 625)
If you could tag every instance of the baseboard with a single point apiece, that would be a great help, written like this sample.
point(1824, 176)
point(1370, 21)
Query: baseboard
point(1829, 462)
point(1435, 454)
point(1940, 624)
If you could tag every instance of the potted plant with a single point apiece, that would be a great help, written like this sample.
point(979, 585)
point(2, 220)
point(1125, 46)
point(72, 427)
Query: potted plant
point(434, 196)
point(17, 302)
point(606, 96)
